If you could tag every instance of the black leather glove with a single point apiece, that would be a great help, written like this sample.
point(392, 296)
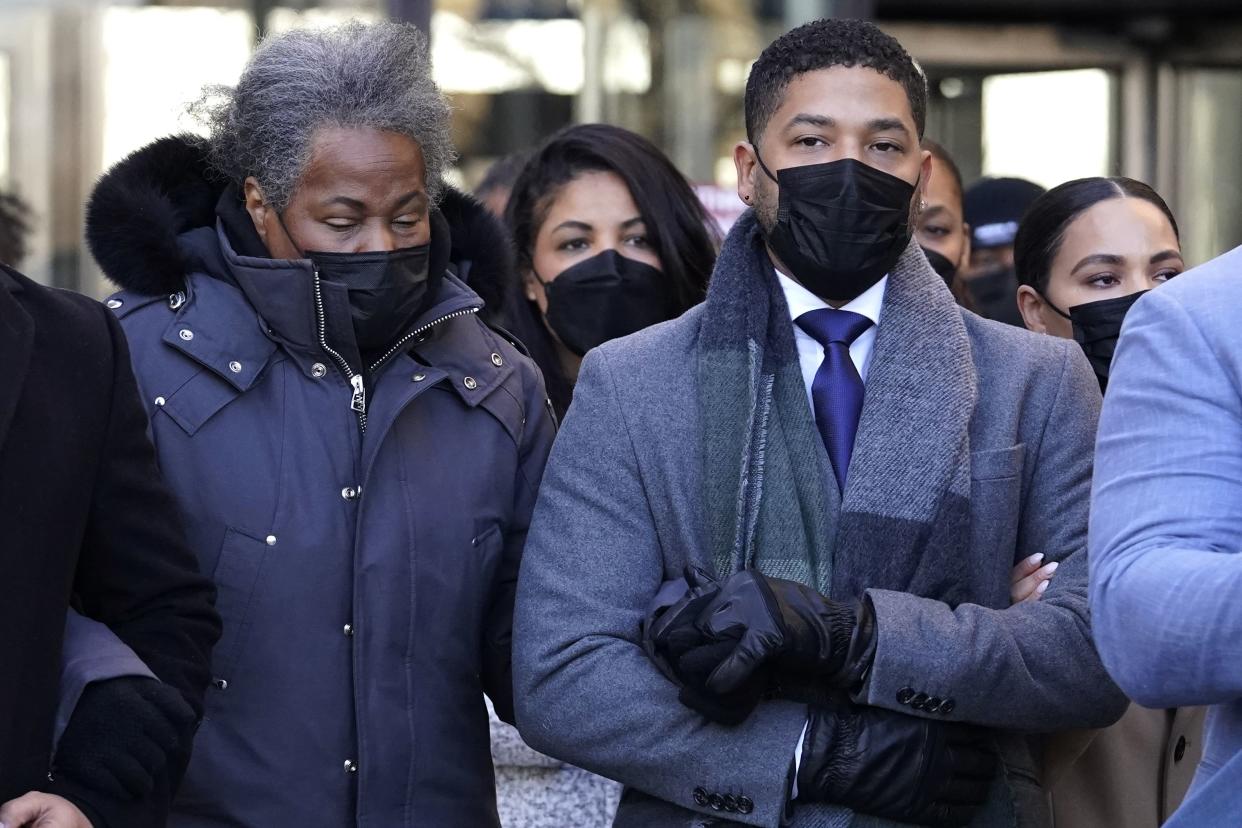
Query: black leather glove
point(894, 766)
point(779, 624)
point(123, 736)
point(679, 650)
point(668, 629)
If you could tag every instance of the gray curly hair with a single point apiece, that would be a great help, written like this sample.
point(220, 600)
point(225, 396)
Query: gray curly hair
point(354, 75)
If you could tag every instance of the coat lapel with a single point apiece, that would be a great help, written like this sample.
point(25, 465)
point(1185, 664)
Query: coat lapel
point(16, 339)
point(920, 395)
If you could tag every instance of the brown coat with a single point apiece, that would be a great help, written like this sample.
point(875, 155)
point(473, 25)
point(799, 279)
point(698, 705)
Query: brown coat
point(1131, 775)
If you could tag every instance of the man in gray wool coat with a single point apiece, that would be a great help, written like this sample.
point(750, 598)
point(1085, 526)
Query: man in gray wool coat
point(767, 579)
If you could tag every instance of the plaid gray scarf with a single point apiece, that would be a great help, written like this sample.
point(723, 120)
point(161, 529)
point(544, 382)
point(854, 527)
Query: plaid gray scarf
point(771, 502)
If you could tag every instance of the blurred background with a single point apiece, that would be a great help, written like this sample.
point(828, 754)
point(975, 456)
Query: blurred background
point(1047, 90)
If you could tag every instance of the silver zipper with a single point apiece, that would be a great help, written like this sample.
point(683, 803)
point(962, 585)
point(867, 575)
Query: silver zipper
point(358, 401)
point(358, 398)
point(400, 343)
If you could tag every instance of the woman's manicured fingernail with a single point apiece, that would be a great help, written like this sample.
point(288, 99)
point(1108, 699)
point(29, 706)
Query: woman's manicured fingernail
point(1043, 587)
point(1051, 568)
point(1035, 559)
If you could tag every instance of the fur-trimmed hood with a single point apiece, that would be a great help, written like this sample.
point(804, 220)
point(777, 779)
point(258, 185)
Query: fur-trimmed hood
point(142, 205)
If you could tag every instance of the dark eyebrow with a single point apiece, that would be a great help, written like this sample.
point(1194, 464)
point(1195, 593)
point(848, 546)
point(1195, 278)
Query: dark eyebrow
point(935, 210)
point(573, 225)
point(1165, 255)
point(887, 125)
point(625, 225)
point(811, 120)
point(1098, 258)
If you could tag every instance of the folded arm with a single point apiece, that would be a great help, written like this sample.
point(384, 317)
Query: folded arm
point(1039, 657)
point(1166, 519)
point(586, 692)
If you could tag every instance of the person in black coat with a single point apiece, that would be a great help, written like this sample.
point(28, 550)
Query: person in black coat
point(85, 524)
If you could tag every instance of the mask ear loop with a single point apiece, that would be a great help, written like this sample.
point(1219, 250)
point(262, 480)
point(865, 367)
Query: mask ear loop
point(280, 219)
point(762, 165)
point(1048, 302)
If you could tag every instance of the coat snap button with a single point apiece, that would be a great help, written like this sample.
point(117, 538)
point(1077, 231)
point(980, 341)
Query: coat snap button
point(318, 370)
point(271, 540)
point(221, 684)
point(349, 493)
point(159, 401)
point(351, 766)
point(349, 630)
point(470, 383)
point(419, 377)
point(186, 334)
point(700, 797)
point(176, 300)
point(115, 303)
point(904, 695)
point(745, 805)
point(497, 360)
point(235, 367)
point(947, 706)
point(716, 801)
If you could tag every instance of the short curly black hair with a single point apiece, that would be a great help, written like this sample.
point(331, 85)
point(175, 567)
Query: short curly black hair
point(823, 44)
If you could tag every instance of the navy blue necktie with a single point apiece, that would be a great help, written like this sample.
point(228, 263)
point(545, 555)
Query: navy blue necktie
point(837, 392)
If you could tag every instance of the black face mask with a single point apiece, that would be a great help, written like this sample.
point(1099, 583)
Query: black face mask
point(840, 227)
point(606, 297)
point(387, 290)
point(941, 264)
point(1097, 326)
point(994, 295)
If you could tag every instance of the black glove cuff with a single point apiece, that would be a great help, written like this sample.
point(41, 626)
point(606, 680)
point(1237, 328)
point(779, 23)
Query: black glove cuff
point(827, 752)
point(860, 649)
point(79, 796)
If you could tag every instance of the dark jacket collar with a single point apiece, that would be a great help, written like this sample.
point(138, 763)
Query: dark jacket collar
point(153, 221)
point(140, 209)
point(16, 343)
point(227, 336)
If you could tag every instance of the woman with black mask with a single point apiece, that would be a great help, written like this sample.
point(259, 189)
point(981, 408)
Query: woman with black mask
point(355, 452)
point(1084, 253)
point(610, 239)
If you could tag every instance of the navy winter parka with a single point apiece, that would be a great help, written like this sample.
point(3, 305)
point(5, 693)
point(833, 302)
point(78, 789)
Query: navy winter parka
point(365, 561)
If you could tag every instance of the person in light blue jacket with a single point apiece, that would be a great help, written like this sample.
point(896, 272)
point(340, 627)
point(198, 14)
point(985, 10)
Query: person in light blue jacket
point(1166, 519)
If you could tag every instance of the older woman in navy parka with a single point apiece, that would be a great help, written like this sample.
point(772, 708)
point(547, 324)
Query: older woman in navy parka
point(356, 454)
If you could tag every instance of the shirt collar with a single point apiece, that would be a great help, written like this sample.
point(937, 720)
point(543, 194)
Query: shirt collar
point(869, 303)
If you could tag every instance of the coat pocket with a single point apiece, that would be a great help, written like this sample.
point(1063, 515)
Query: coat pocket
point(196, 402)
point(488, 547)
point(997, 464)
point(995, 505)
point(237, 574)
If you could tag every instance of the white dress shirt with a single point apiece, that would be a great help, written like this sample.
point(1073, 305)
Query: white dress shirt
point(811, 356)
point(811, 353)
